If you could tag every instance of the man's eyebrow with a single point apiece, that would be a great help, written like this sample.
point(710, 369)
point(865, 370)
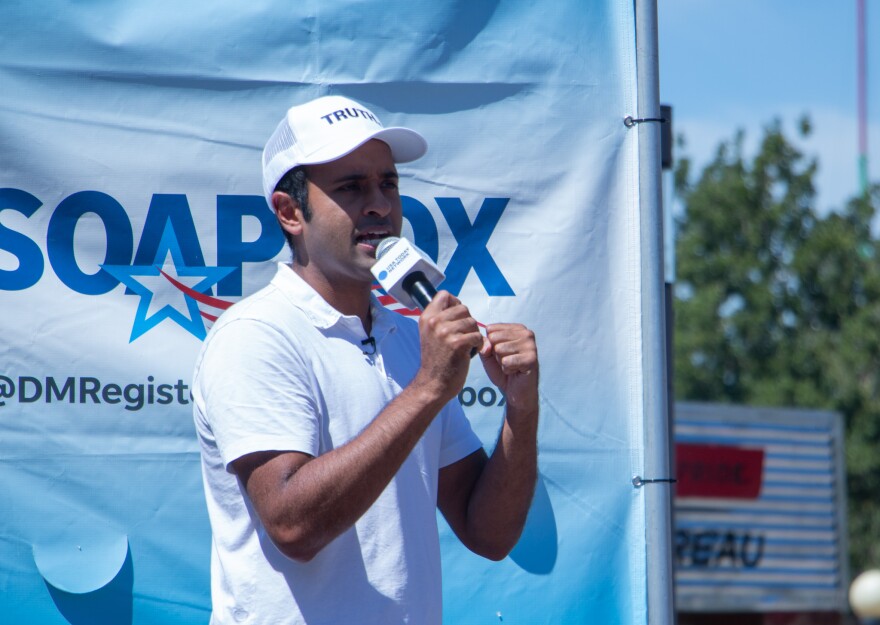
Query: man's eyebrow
point(355, 177)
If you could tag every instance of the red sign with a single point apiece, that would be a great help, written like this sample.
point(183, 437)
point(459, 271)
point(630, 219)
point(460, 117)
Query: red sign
point(718, 471)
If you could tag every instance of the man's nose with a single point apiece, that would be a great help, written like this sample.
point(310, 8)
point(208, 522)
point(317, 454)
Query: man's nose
point(376, 202)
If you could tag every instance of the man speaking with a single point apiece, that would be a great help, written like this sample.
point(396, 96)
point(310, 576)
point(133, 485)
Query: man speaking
point(329, 426)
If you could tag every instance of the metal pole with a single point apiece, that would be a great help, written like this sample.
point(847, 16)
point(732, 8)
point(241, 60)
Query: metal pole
point(658, 498)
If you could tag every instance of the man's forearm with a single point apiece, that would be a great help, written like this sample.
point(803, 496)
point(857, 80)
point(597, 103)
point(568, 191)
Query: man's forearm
point(503, 494)
point(327, 494)
point(306, 502)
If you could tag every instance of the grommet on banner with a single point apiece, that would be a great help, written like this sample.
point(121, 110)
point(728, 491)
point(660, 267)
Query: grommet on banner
point(629, 121)
point(638, 480)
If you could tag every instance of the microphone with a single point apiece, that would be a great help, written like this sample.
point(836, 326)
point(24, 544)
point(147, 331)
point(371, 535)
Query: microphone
point(406, 273)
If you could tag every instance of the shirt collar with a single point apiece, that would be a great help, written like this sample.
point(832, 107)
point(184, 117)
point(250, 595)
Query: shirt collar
point(321, 314)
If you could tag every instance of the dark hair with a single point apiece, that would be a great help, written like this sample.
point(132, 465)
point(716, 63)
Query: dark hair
point(295, 184)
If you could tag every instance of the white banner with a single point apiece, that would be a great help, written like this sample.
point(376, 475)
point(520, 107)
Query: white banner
point(131, 215)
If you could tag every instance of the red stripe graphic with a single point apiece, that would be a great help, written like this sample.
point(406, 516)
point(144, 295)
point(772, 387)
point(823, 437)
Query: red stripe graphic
point(384, 299)
point(389, 302)
point(199, 297)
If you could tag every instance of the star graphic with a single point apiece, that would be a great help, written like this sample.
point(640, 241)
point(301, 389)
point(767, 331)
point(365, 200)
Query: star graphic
point(159, 299)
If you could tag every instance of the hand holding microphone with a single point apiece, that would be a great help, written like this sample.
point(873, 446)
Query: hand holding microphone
point(409, 275)
point(509, 351)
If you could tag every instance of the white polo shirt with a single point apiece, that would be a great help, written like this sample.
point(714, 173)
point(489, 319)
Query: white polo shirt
point(283, 370)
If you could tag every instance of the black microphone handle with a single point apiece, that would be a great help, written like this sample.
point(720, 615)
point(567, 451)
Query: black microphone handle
point(422, 291)
point(419, 288)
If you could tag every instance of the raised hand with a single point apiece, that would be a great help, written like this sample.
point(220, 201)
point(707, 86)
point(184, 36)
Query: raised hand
point(510, 358)
point(448, 334)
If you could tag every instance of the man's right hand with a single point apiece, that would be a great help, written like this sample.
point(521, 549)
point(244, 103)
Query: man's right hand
point(448, 336)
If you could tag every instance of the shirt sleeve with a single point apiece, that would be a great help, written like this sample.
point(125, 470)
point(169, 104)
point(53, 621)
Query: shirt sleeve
point(257, 392)
point(459, 439)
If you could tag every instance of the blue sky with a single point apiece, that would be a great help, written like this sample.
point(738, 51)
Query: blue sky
point(738, 64)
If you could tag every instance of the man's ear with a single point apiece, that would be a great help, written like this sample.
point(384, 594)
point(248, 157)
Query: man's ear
point(288, 212)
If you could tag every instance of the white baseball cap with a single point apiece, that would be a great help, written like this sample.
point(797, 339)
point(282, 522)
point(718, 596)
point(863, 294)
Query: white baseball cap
point(327, 129)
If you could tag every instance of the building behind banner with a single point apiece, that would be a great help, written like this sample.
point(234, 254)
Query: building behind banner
point(760, 516)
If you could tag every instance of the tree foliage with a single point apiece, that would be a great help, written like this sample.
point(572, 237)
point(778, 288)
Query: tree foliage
point(778, 305)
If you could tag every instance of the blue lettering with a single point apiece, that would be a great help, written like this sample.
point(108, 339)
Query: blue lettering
point(471, 250)
point(59, 241)
point(232, 251)
point(348, 113)
point(423, 225)
point(30, 258)
point(168, 210)
point(169, 228)
point(28, 398)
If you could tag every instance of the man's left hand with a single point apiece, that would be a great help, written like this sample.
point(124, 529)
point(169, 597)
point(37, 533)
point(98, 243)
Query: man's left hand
point(510, 358)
